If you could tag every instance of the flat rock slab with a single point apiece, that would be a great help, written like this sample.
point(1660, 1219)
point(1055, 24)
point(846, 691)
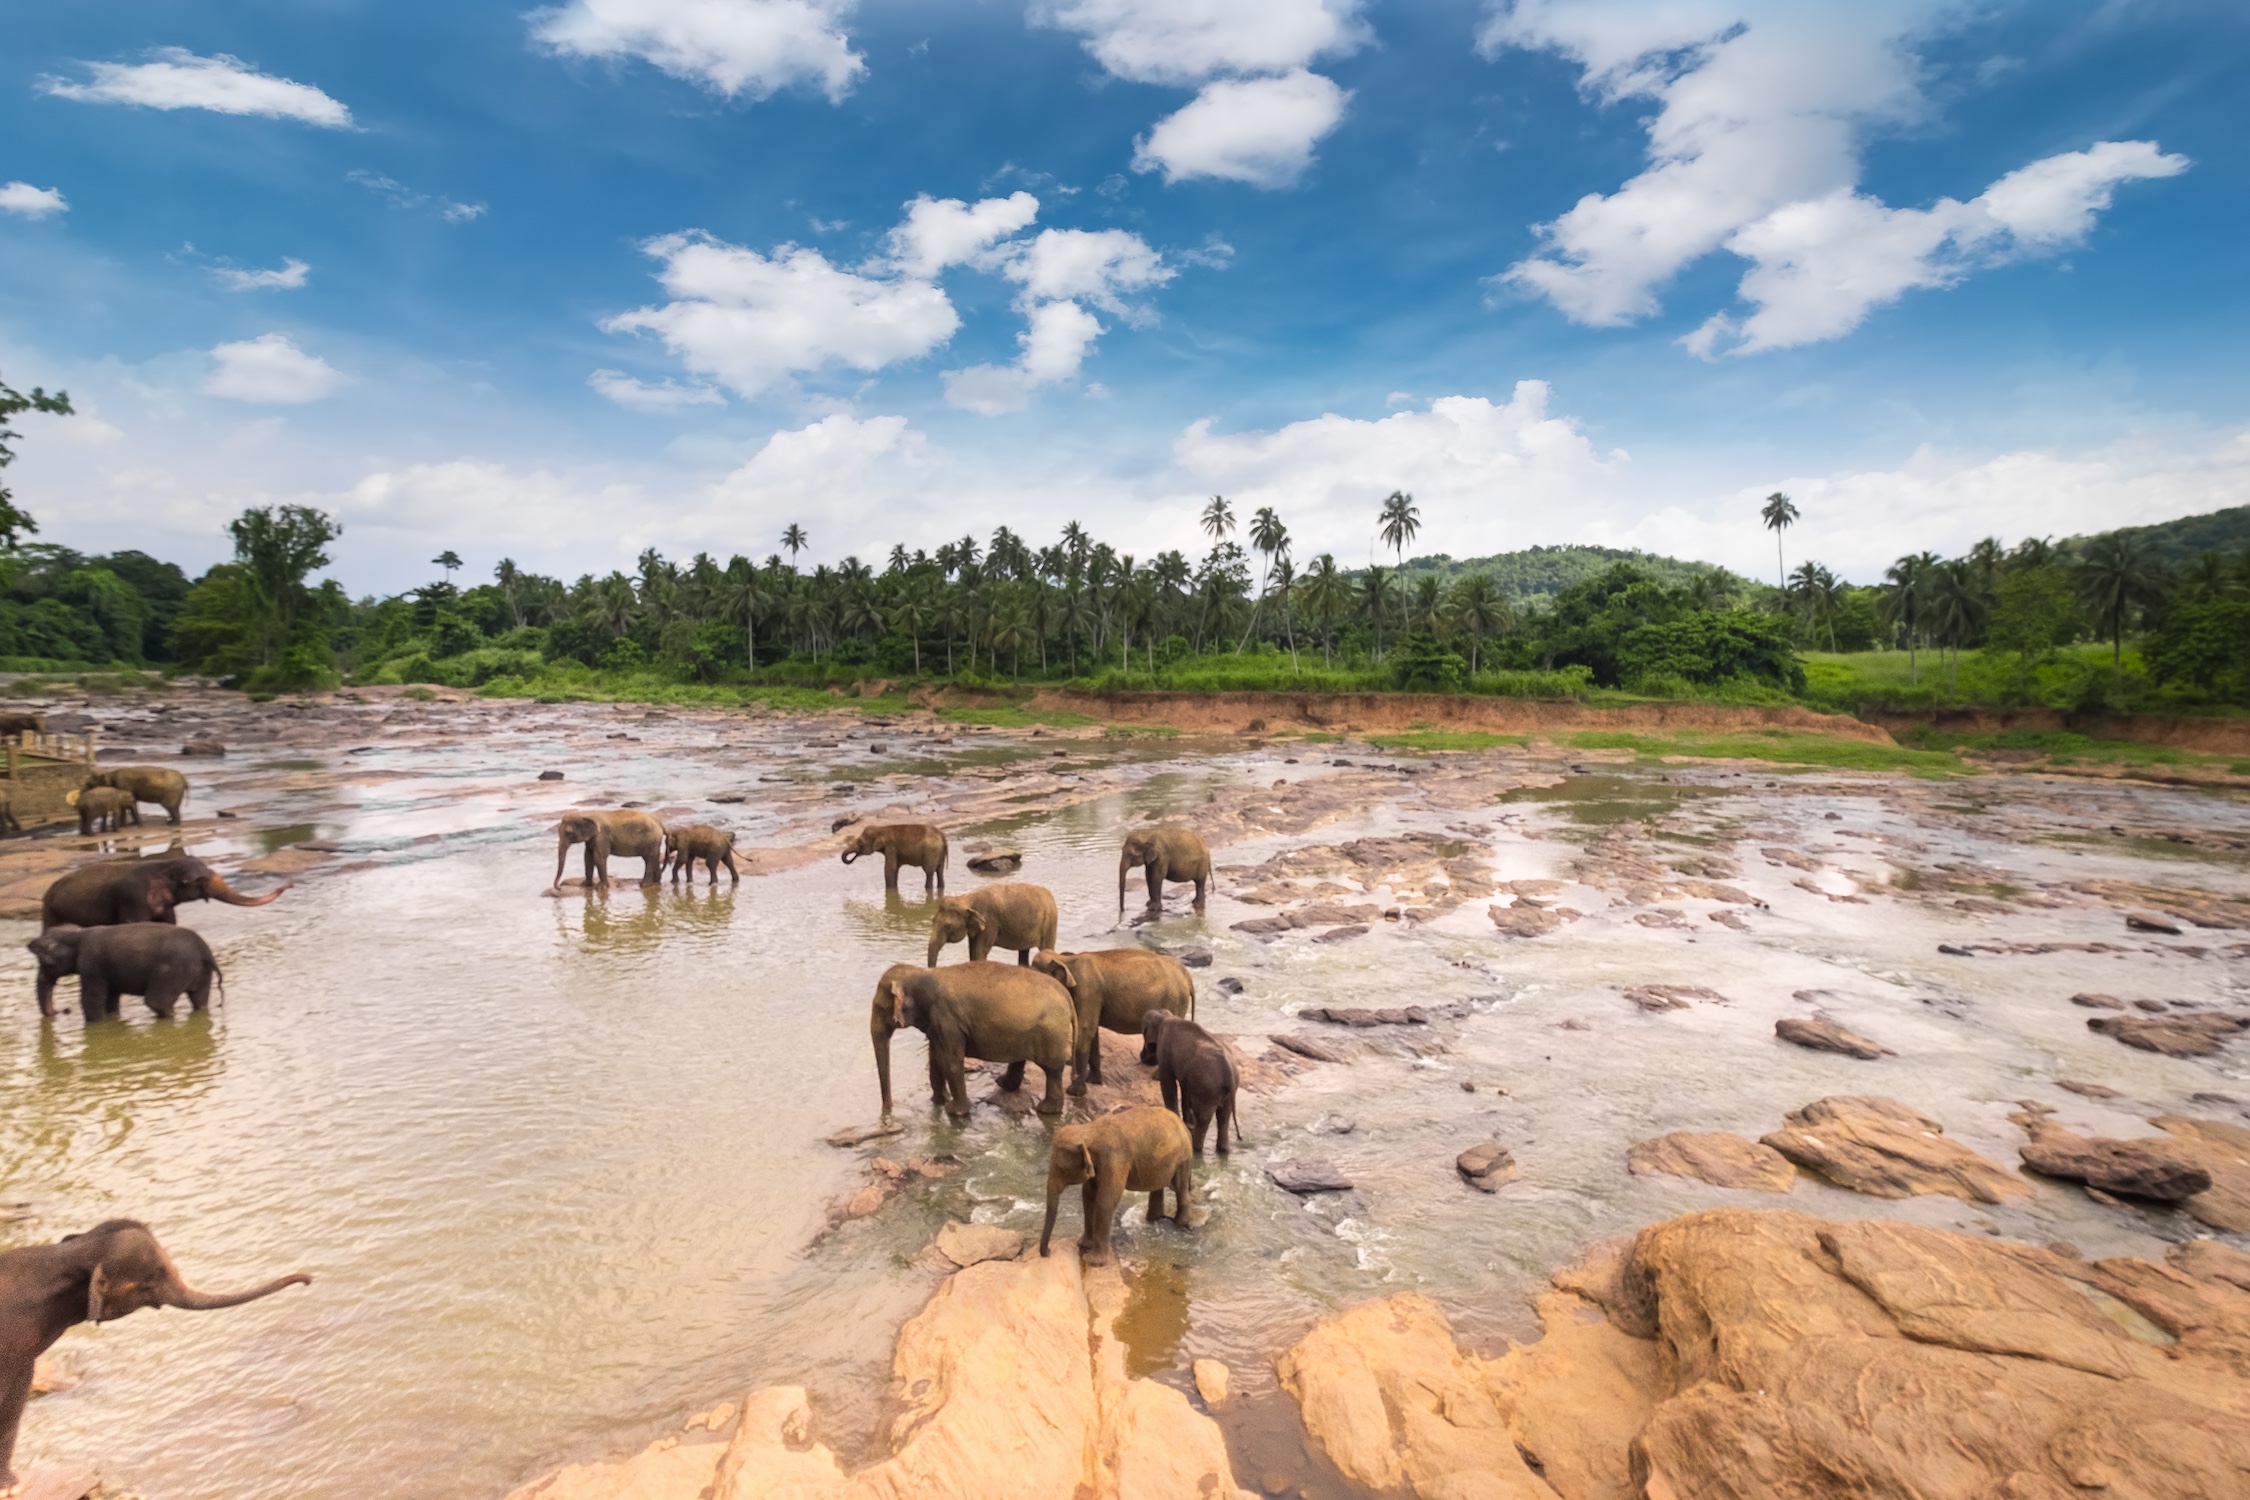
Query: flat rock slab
point(966, 1245)
point(1671, 996)
point(1714, 1156)
point(1826, 1036)
point(1486, 1167)
point(1305, 1046)
point(1882, 1148)
point(2098, 1002)
point(57, 1482)
point(1304, 1175)
point(1398, 1015)
point(1530, 921)
point(2197, 1035)
point(2151, 921)
point(2088, 1090)
point(2157, 1169)
point(859, 1135)
point(2222, 1149)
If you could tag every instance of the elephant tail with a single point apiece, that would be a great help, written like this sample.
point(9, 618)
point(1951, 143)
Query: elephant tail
point(220, 975)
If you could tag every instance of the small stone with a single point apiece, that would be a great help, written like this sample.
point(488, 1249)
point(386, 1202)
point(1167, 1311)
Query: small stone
point(2198, 1035)
point(1468, 1087)
point(1211, 1382)
point(1194, 958)
point(1342, 934)
point(1305, 1175)
point(844, 822)
point(1826, 1036)
point(1230, 986)
point(866, 1200)
point(729, 797)
point(2098, 1002)
point(1485, 1167)
point(1274, 1484)
point(1955, 949)
point(2151, 921)
point(550, 775)
point(967, 1245)
point(856, 1135)
point(203, 747)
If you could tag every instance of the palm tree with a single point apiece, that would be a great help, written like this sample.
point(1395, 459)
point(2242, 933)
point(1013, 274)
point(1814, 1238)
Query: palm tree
point(794, 539)
point(2119, 575)
point(1285, 589)
point(1905, 604)
point(508, 575)
point(1218, 519)
point(1377, 593)
point(1269, 536)
point(1480, 609)
point(1779, 514)
point(2207, 579)
point(1007, 631)
point(1819, 594)
point(448, 560)
point(1956, 609)
point(1327, 595)
point(1401, 520)
point(912, 612)
point(742, 598)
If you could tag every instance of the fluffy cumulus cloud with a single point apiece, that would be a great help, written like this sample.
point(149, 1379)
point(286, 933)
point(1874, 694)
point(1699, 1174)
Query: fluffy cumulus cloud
point(1754, 147)
point(733, 47)
point(289, 276)
point(942, 232)
point(1060, 270)
point(178, 79)
point(31, 202)
point(270, 370)
point(1258, 112)
point(1487, 475)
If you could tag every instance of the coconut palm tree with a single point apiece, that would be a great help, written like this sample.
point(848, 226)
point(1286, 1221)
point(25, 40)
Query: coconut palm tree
point(795, 540)
point(1269, 537)
point(1819, 594)
point(1480, 610)
point(508, 575)
point(1956, 609)
point(1218, 519)
point(912, 611)
point(1906, 601)
point(1779, 514)
point(1401, 521)
point(2119, 576)
point(742, 598)
point(1327, 597)
point(1378, 593)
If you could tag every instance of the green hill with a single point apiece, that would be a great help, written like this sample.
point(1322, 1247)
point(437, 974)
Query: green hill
point(2189, 536)
point(1541, 572)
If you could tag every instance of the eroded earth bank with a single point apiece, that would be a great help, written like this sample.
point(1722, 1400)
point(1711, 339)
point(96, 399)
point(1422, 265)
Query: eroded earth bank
point(1610, 1129)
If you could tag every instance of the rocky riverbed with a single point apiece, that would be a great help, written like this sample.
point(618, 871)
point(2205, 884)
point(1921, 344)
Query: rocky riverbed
point(1592, 1106)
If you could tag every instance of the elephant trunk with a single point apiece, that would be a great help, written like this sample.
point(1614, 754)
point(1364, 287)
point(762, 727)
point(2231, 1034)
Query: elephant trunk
point(850, 855)
point(562, 857)
point(883, 1066)
point(937, 946)
point(220, 890)
point(1054, 1201)
point(1124, 863)
point(185, 1296)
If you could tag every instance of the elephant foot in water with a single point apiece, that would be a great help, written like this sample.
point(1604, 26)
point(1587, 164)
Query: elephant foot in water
point(1012, 1079)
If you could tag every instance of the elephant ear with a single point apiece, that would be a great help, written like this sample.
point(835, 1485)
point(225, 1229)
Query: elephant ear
point(161, 898)
point(978, 926)
point(97, 1289)
point(898, 1005)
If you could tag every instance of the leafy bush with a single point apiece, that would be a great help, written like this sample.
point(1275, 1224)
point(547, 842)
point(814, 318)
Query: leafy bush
point(1422, 665)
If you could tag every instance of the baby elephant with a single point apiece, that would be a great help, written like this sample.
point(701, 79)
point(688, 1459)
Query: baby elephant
point(155, 960)
point(103, 808)
point(1195, 1071)
point(1139, 1150)
point(699, 843)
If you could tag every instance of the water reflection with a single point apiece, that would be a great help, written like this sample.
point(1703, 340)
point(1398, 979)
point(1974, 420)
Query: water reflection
point(630, 918)
point(897, 917)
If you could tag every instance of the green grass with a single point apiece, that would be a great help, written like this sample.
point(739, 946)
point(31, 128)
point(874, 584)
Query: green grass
point(1788, 747)
point(1016, 716)
point(1444, 739)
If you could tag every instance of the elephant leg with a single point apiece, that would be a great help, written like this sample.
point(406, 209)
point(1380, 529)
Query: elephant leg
point(93, 998)
point(1052, 1104)
point(171, 810)
point(890, 869)
point(1198, 1121)
point(199, 995)
point(1094, 1049)
point(1154, 875)
point(1012, 1079)
point(1107, 1197)
point(1183, 1184)
point(163, 996)
point(978, 948)
point(1086, 1200)
point(937, 1078)
point(957, 1081)
point(1023, 958)
point(1170, 1087)
point(734, 875)
point(1200, 885)
point(652, 870)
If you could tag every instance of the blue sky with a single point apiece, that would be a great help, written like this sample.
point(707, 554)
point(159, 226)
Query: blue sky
point(563, 282)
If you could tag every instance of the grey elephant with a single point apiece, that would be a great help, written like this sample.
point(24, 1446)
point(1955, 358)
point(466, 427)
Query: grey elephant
point(994, 1012)
point(106, 808)
point(632, 835)
point(1195, 1073)
point(161, 785)
point(1139, 1150)
point(158, 961)
point(1013, 914)
point(1113, 989)
point(691, 844)
point(1177, 855)
point(918, 844)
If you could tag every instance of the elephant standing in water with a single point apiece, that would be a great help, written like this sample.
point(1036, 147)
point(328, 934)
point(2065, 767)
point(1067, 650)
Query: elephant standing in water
point(1112, 990)
point(1012, 914)
point(96, 1277)
point(1195, 1073)
point(632, 835)
point(106, 808)
point(161, 785)
point(156, 960)
point(699, 843)
point(916, 844)
point(1139, 1150)
point(1178, 855)
point(137, 890)
point(994, 1012)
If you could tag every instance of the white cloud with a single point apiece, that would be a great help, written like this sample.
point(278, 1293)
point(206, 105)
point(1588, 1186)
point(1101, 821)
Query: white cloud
point(1188, 41)
point(1095, 264)
point(290, 275)
point(1255, 130)
point(1058, 270)
point(1259, 112)
point(942, 232)
point(270, 370)
point(834, 454)
point(182, 80)
point(730, 47)
point(1054, 345)
point(1820, 267)
point(31, 202)
point(751, 322)
point(640, 395)
point(461, 213)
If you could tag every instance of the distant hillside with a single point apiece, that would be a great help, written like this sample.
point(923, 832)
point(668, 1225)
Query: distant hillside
point(2189, 536)
point(1541, 572)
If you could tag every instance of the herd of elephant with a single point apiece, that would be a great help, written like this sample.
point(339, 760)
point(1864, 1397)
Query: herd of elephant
point(113, 925)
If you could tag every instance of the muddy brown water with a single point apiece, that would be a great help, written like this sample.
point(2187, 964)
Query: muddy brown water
point(558, 1168)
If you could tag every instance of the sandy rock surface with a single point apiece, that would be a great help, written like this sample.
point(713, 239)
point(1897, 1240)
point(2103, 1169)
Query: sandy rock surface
point(1823, 1035)
point(1716, 1157)
point(1880, 1147)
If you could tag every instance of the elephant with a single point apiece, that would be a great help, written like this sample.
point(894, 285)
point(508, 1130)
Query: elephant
point(158, 961)
point(996, 1012)
point(1113, 989)
point(99, 1276)
point(630, 835)
point(107, 807)
point(1012, 914)
point(161, 785)
point(916, 844)
point(15, 724)
point(691, 843)
point(1139, 1150)
point(1175, 854)
point(137, 890)
point(1195, 1071)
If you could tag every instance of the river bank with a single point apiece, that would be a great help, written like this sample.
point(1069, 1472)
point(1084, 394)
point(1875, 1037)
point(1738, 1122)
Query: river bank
point(636, 1094)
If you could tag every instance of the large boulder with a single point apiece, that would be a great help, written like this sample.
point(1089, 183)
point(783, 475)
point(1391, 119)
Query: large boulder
point(1882, 1148)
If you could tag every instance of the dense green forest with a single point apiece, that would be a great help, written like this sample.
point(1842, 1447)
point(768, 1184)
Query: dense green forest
point(2135, 618)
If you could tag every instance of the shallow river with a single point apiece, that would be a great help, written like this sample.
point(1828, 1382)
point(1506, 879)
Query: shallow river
point(557, 1164)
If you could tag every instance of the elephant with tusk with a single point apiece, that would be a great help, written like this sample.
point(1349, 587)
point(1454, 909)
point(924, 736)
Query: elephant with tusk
point(96, 1277)
point(137, 890)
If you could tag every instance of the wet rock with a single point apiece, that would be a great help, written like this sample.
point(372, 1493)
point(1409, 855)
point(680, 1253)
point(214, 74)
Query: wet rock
point(1211, 1382)
point(730, 798)
point(2198, 1035)
point(203, 748)
point(1882, 1148)
point(856, 1135)
point(1731, 919)
point(1486, 1167)
point(1955, 950)
point(1671, 996)
point(2088, 1090)
point(844, 821)
point(1530, 921)
point(2155, 1169)
point(2151, 921)
point(2223, 1150)
point(1715, 1156)
point(967, 1245)
point(1403, 1015)
point(2153, 1007)
point(1342, 934)
point(996, 861)
point(1230, 986)
point(1305, 1046)
point(1194, 958)
point(2098, 1002)
point(550, 775)
point(1826, 1036)
point(1304, 1175)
